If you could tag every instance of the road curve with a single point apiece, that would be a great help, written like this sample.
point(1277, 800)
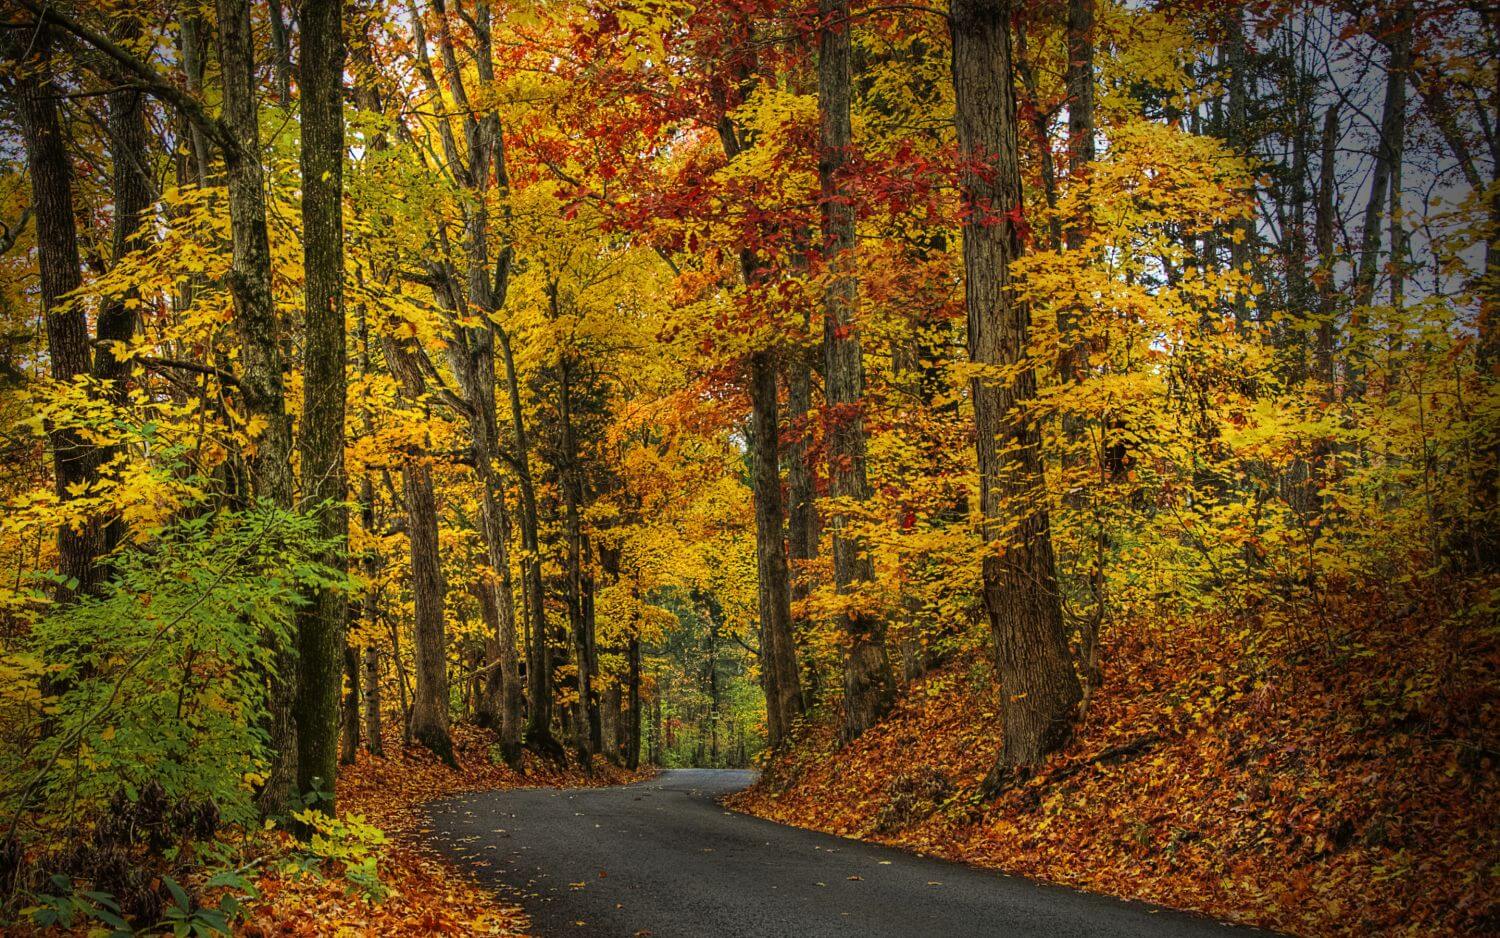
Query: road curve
point(662, 858)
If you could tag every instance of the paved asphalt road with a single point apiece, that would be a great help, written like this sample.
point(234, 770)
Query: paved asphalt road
point(662, 858)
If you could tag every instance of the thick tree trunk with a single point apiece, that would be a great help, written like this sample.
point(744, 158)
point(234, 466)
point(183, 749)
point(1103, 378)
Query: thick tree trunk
point(75, 461)
point(869, 685)
point(1039, 689)
point(779, 678)
point(428, 723)
point(320, 626)
point(131, 185)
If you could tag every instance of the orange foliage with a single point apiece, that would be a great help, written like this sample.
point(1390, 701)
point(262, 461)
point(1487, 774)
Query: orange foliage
point(1336, 787)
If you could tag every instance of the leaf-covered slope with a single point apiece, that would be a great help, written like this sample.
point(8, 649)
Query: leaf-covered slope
point(1323, 787)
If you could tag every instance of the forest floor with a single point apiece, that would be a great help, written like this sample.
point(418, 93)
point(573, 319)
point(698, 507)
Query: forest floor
point(1323, 784)
point(429, 895)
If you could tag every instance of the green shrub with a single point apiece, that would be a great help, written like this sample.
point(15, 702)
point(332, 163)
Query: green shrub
point(135, 718)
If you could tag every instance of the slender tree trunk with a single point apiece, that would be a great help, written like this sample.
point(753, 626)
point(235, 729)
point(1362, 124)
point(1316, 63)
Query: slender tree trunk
point(1236, 132)
point(262, 369)
point(869, 685)
point(1039, 689)
point(349, 717)
point(373, 728)
point(281, 51)
point(1392, 121)
point(1325, 219)
point(75, 460)
point(587, 713)
point(633, 728)
point(802, 513)
point(539, 661)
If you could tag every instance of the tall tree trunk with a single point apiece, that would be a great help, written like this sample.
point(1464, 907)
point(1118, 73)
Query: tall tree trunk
point(75, 460)
point(1325, 220)
point(373, 727)
point(869, 685)
point(539, 659)
point(779, 678)
point(262, 369)
point(1237, 132)
point(587, 712)
point(349, 715)
point(320, 626)
point(802, 512)
point(1392, 122)
point(131, 186)
point(281, 52)
point(1039, 689)
point(427, 721)
point(428, 724)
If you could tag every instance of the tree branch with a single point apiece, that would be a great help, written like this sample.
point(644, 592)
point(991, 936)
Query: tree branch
point(151, 80)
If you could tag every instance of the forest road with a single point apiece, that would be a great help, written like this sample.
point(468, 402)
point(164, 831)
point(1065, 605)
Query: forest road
point(663, 858)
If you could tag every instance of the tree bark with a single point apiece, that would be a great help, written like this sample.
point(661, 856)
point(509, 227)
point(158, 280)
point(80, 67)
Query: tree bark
point(869, 685)
point(131, 186)
point(1392, 123)
point(75, 460)
point(1325, 220)
point(320, 626)
point(587, 709)
point(539, 659)
point(373, 727)
point(349, 716)
point(428, 724)
point(779, 679)
point(1039, 689)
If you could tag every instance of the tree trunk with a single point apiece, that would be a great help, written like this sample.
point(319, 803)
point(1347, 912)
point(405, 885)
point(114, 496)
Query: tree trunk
point(349, 717)
point(587, 713)
point(610, 728)
point(129, 151)
point(262, 370)
point(373, 728)
point(281, 51)
point(802, 513)
point(320, 626)
point(1392, 122)
point(633, 728)
point(429, 712)
point(869, 685)
point(75, 461)
point(1325, 220)
point(779, 678)
point(538, 732)
point(1039, 689)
